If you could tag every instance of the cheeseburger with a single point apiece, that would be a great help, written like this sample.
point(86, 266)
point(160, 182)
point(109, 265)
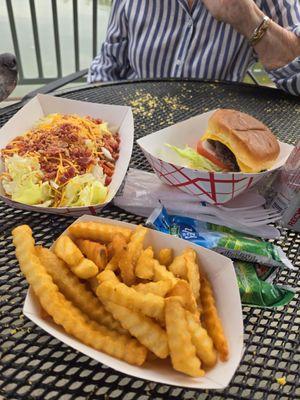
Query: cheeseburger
point(235, 141)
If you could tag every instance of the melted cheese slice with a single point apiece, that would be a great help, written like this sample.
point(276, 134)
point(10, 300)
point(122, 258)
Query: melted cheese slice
point(220, 137)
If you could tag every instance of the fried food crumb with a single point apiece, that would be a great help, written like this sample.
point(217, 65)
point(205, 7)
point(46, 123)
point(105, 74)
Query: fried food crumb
point(20, 330)
point(145, 104)
point(281, 381)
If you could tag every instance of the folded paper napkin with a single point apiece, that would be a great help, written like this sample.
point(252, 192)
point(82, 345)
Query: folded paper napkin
point(142, 192)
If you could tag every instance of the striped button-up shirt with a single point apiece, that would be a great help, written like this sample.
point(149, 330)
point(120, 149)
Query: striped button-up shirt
point(167, 38)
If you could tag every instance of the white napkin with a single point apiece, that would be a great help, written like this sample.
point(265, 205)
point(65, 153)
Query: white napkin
point(142, 192)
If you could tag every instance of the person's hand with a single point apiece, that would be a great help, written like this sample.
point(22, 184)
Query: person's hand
point(242, 15)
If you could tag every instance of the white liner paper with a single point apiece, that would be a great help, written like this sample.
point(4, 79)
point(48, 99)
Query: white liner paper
point(119, 117)
point(211, 187)
point(221, 273)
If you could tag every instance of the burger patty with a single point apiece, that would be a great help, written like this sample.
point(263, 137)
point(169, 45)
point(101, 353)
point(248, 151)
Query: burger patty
point(224, 154)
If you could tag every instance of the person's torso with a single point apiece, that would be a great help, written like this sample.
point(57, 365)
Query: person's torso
point(167, 38)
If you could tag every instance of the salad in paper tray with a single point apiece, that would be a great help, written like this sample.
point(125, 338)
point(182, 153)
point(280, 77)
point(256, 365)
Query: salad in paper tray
point(64, 161)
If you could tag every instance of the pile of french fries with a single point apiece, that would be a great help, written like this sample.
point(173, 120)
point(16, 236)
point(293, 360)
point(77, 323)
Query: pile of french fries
point(106, 289)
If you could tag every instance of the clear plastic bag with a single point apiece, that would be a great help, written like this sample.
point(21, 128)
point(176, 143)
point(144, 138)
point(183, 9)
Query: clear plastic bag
point(142, 192)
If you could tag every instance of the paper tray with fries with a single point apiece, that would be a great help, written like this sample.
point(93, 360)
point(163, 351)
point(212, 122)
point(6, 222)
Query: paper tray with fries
point(218, 269)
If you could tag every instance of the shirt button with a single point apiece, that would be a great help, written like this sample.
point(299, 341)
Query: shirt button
point(190, 23)
point(178, 62)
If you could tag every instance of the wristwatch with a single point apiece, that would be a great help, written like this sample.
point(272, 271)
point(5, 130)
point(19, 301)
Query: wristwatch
point(260, 31)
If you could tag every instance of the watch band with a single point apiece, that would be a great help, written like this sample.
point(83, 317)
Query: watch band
point(260, 31)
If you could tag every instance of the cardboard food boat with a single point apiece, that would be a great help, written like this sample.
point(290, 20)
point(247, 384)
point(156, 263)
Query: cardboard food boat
point(220, 271)
point(211, 187)
point(120, 117)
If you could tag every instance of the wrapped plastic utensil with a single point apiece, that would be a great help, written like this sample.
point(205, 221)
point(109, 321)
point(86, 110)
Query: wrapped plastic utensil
point(142, 192)
point(283, 191)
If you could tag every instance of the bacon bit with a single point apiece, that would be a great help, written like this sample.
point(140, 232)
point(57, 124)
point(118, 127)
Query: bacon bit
point(108, 171)
point(49, 176)
point(108, 180)
point(97, 121)
point(109, 165)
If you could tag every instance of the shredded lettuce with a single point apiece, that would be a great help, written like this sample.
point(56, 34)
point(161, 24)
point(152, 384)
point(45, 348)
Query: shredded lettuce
point(47, 119)
point(89, 144)
point(98, 173)
point(47, 203)
point(84, 190)
point(195, 159)
point(33, 193)
point(25, 184)
point(103, 128)
point(22, 168)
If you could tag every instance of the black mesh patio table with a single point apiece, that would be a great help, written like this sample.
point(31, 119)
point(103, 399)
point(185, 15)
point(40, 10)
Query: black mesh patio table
point(34, 365)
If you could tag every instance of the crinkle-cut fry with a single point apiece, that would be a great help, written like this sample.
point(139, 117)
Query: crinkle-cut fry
point(129, 258)
point(178, 266)
point(97, 231)
point(162, 274)
point(202, 341)
point(182, 350)
point(117, 248)
point(110, 251)
point(85, 269)
point(43, 313)
point(184, 291)
point(74, 321)
point(192, 273)
point(126, 267)
point(160, 288)
point(211, 318)
point(135, 245)
point(118, 243)
point(92, 283)
point(107, 275)
point(75, 291)
point(113, 264)
point(144, 268)
point(93, 251)
point(148, 304)
point(66, 249)
point(165, 256)
point(148, 333)
point(151, 356)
